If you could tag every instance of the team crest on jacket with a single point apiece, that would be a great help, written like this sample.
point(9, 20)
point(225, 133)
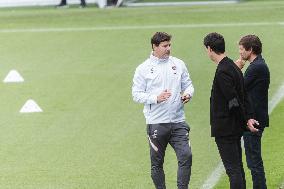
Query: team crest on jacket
point(174, 68)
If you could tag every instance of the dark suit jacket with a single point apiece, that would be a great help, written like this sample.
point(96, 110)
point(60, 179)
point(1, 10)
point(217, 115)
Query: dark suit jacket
point(257, 79)
point(229, 107)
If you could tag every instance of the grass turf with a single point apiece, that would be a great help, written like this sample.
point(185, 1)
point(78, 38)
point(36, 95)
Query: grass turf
point(91, 134)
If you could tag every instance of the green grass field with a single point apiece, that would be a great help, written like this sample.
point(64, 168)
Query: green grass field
point(91, 134)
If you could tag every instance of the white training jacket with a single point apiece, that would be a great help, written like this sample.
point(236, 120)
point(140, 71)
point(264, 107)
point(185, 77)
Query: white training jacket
point(154, 76)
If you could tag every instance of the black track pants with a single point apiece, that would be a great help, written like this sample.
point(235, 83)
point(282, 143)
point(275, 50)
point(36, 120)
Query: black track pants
point(177, 135)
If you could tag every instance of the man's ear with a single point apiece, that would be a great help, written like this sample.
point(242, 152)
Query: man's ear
point(154, 47)
point(209, 49)
point(250, 51)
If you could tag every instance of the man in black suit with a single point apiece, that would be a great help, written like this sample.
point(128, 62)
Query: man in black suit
point(229, 110)
point(257, 79)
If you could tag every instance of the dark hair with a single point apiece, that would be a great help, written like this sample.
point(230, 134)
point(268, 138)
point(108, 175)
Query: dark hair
point(160, 37)
point(251, 42)
point(215, 41)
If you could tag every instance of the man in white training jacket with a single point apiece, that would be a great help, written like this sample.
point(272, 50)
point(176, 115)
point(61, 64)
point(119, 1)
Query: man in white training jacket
point(163, 85)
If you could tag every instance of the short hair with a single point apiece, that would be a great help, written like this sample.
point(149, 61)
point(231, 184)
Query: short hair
point(160, 37)
point(251, 42)
point(215, 41)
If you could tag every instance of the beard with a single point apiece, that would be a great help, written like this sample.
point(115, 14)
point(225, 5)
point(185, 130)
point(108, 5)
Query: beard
point(244, 57)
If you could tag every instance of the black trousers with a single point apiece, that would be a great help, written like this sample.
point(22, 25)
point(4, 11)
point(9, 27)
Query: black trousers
point(177, 135)
point(230, 151)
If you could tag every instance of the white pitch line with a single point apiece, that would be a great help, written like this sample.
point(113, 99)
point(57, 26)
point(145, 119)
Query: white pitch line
point(215, 176)
point(111, 28)
point(179, 3)
point(278, 96)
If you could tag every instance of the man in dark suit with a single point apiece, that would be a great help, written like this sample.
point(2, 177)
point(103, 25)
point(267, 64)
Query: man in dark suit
point(229, 110)
point(257, 79)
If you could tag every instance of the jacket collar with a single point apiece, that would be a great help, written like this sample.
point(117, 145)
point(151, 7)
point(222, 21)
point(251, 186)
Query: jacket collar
point(157, 60)
point(258, 57)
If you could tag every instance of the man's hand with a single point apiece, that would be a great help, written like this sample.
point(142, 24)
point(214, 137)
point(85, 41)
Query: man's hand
point(185, 98)
point(250, 125)
point(164, 96)
point(240, 63)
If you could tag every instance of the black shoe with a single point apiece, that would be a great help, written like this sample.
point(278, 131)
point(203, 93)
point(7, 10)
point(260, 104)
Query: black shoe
point(61, 5)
